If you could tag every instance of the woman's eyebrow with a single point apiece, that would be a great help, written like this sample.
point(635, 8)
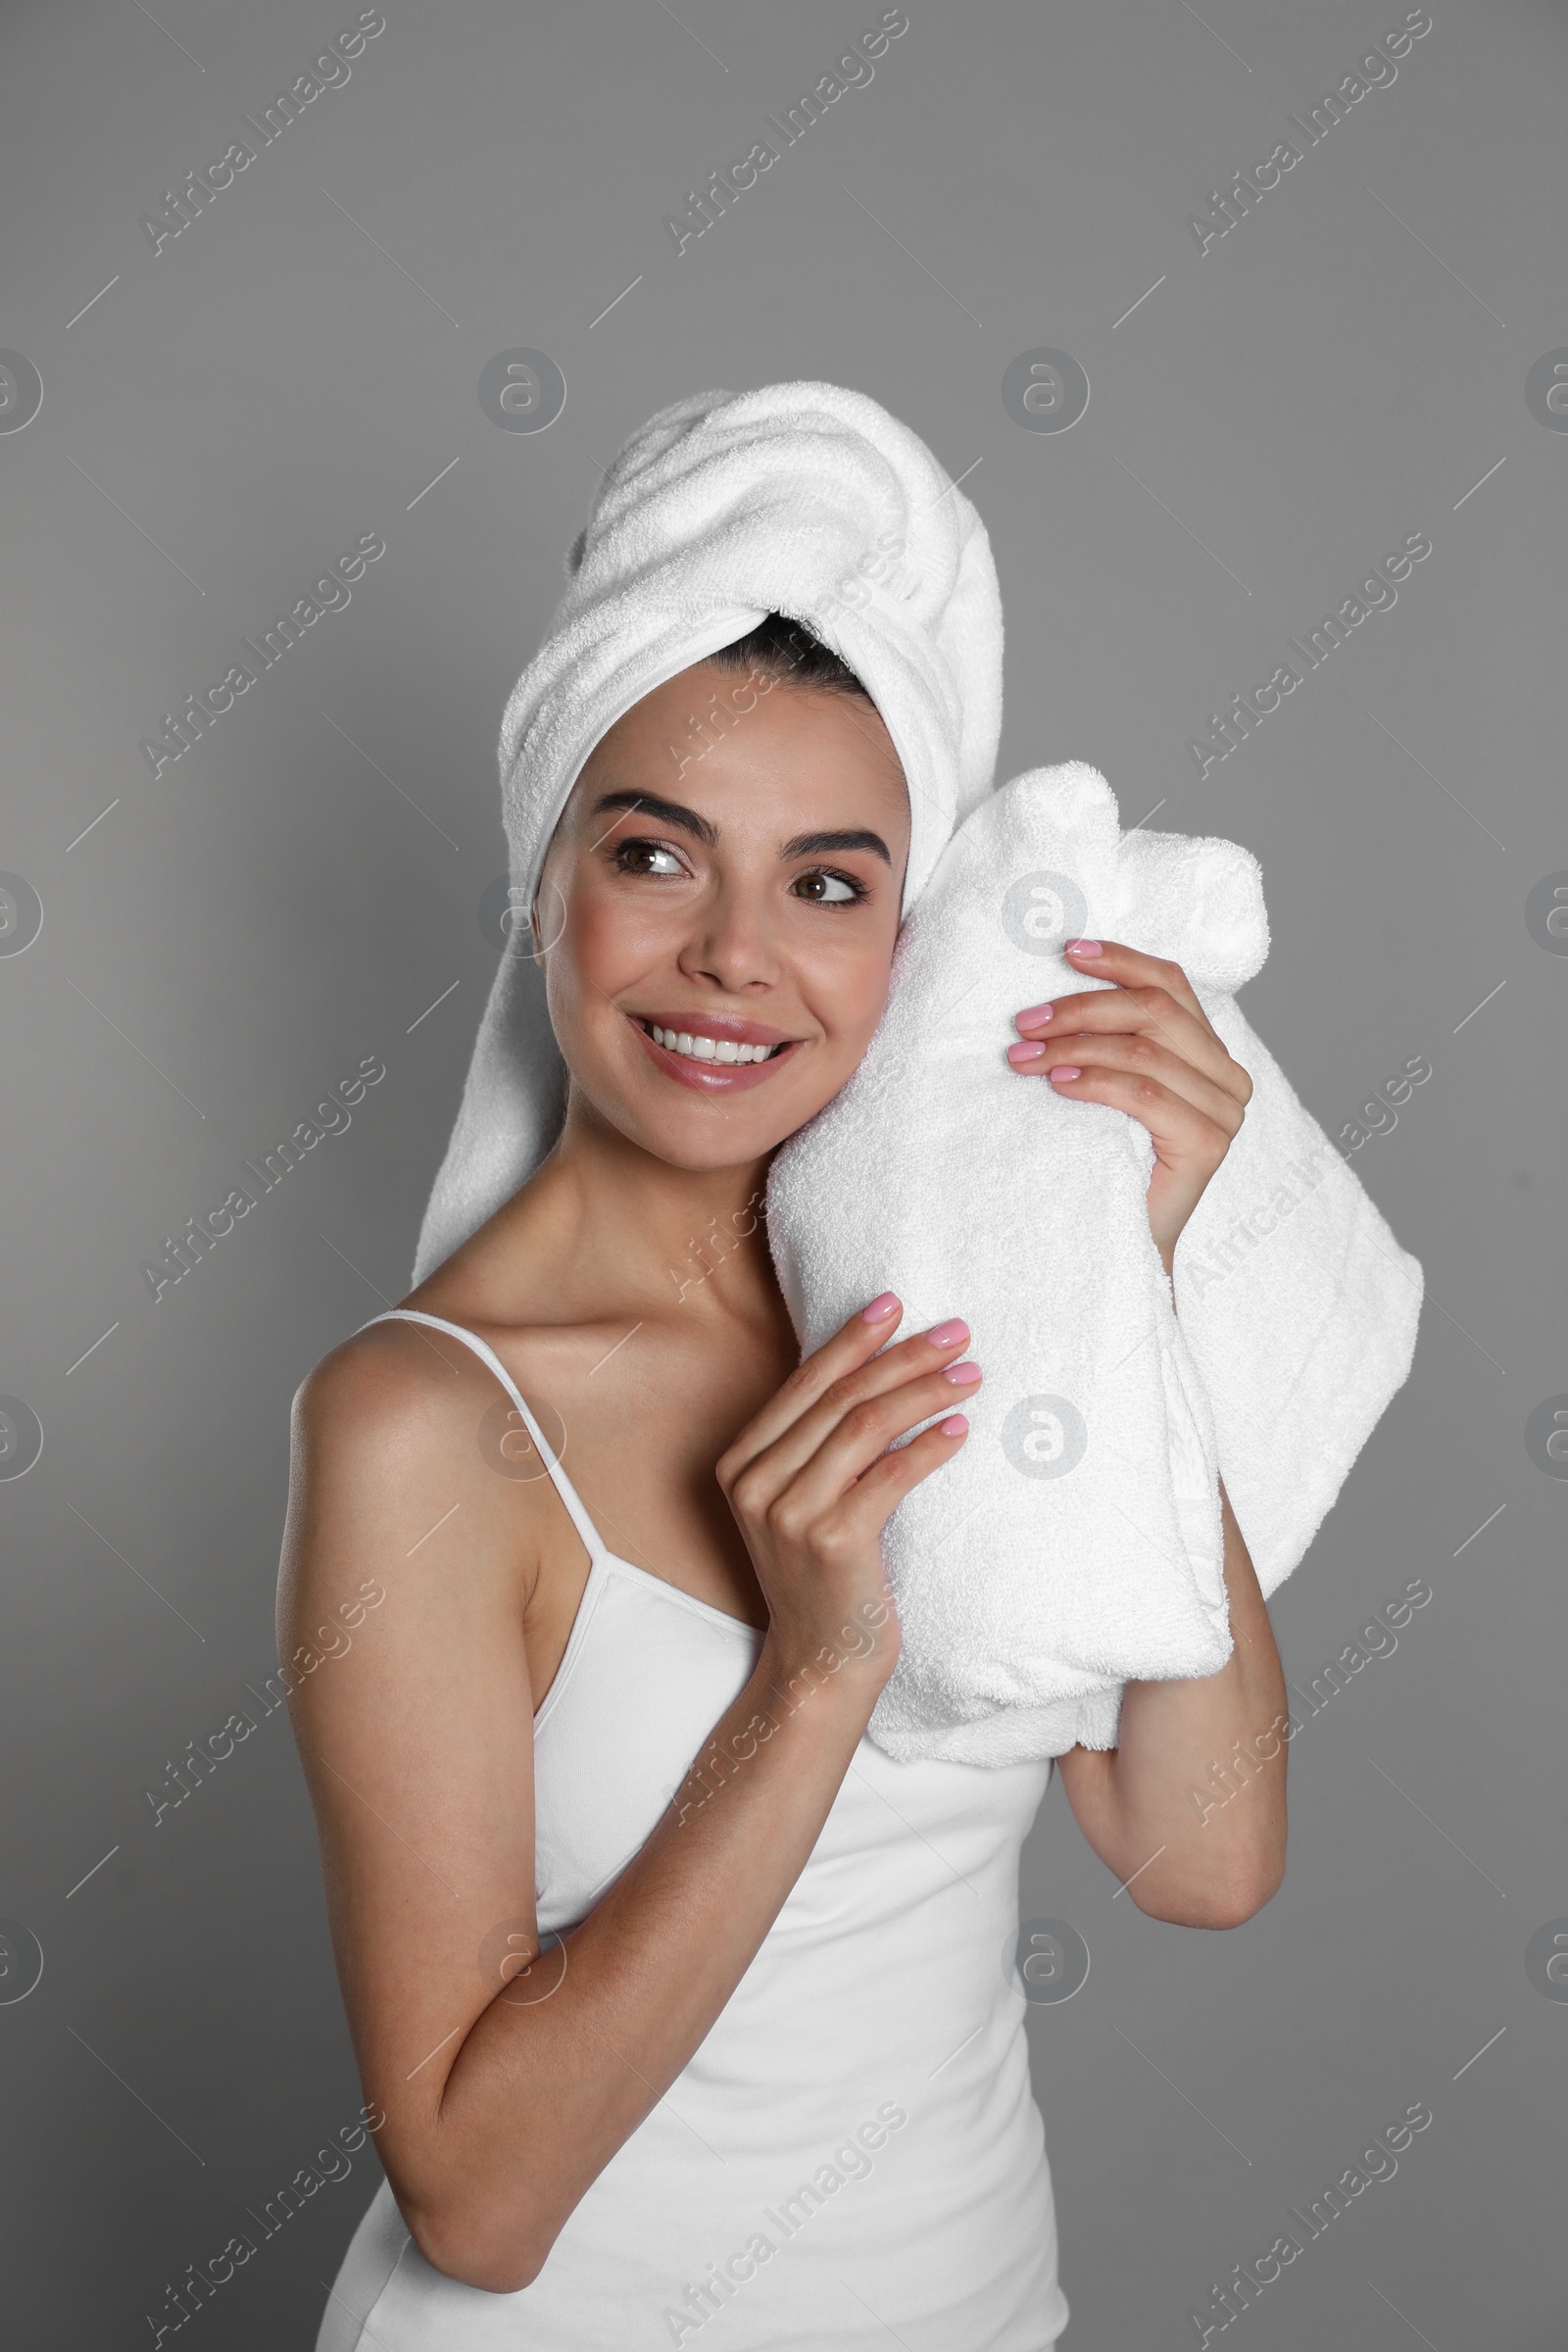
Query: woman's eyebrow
point(667, 813)
point(818, 845)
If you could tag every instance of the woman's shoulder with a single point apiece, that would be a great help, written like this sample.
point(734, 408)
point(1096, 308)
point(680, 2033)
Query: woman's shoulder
point(398, 1383)
point(510, 1297)
point(375, 1383)
point(394, 1432)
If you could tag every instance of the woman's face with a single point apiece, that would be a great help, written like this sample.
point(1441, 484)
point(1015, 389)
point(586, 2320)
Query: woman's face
point(742, 901)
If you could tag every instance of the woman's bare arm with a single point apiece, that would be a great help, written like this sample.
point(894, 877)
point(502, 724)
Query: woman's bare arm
point(1151, 1807)
point(506, 2094)
point(1196, 1832)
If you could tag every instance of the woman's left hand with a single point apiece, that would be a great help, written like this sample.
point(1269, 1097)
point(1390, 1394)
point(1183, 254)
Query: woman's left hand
point(1145, 1047)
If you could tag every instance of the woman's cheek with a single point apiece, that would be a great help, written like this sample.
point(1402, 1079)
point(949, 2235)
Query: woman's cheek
point(851, 970)
point(613, 933)
point(848, 1006)
point(614, 945)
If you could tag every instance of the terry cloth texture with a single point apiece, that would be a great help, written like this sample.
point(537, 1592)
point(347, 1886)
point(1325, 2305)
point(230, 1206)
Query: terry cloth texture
point(1073, 1543)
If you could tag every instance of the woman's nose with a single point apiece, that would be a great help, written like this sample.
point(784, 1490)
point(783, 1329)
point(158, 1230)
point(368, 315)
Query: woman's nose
point(730, 948)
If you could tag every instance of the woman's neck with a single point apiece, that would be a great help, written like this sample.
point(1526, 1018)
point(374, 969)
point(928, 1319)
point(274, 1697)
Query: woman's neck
point(604, 1228)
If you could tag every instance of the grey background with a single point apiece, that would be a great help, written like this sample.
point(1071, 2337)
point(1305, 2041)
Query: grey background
point(1333, 375)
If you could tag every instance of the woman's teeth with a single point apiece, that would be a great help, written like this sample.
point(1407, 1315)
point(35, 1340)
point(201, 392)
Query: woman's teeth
point(707, 1048)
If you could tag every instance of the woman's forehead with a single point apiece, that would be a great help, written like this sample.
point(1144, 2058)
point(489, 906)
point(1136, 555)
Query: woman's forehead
point(710, 733)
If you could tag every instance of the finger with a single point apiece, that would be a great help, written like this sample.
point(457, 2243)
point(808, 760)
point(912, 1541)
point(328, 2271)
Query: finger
point(1178, 1130)
point(873, 1500)
point(1129, 967)
point(1141, 1055)
point(838, 1374)
point(859, 1437)
point(856, 1393)
point(850, 1346)
point(1150, 1010)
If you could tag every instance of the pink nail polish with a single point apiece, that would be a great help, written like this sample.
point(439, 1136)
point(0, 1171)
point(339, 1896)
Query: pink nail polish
point(1085, 946)
point(1036, 1014)
point(880, 1307)
point(1065, 1070)
point(956, 1426)
point(962, 1376)
point(947, 1335)
point(1020, 1054)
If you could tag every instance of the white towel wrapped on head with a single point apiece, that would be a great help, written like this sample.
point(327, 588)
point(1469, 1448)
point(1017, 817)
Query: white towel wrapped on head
point(1073, 1543)
point(804, 498)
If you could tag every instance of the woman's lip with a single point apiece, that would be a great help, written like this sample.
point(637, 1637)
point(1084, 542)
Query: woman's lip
point(717, 1024)
point(714, 1077)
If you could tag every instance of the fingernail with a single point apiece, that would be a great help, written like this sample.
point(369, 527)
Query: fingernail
point(947, 1335)
point(956, 1426)
point(1084, 947)
point(962, 1376)
point(1035, 1018)
point(1065, 1070)
point(880, 1308)
point(1018, 1054)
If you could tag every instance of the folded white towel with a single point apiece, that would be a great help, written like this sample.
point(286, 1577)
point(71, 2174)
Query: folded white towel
point(1074, 1543)
point(802, 499)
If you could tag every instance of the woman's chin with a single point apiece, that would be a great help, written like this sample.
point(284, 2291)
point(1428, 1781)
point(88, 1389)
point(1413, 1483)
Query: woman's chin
point(702, 1145)
point(705, 1134)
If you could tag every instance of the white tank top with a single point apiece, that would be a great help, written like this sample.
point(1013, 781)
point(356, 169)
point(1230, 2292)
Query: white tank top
point(853, 2155)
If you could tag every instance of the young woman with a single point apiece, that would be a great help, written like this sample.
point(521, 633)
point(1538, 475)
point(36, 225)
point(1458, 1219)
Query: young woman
point(675, 2000)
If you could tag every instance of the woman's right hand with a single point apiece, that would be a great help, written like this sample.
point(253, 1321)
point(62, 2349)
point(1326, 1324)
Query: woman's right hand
point(811, 1484)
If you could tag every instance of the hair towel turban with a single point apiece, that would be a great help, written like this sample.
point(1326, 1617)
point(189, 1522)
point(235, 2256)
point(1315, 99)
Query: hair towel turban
point(801, 499)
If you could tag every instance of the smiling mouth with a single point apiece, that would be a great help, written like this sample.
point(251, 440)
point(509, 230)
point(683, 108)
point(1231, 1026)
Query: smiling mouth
point(714, 1054)
point(696, 1045)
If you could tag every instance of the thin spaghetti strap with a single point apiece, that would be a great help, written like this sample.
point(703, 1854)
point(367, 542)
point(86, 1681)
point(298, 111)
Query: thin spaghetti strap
point(563, 1485)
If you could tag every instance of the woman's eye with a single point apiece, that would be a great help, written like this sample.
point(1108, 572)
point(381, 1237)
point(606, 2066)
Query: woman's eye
point(829, 890)
point(641, 857)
